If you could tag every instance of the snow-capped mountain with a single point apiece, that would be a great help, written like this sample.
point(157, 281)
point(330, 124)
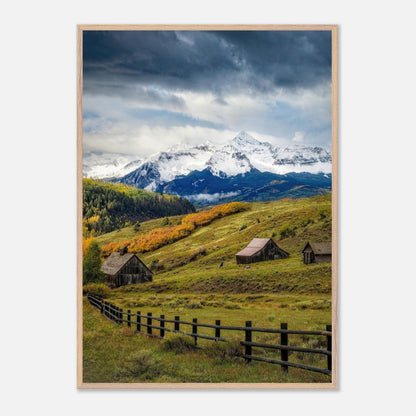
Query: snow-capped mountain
point(108, 165)
point(240, 156)
point(242, 169)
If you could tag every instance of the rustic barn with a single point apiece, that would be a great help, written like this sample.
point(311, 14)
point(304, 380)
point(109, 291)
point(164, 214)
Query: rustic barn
point(317, 252)
point(123, 268)
point(260, 249)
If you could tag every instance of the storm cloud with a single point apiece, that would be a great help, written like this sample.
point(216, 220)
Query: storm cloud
point(271, 83)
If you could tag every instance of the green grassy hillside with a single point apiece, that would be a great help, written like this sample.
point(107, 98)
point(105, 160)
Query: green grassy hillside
point(197, 277)
point(193, 264)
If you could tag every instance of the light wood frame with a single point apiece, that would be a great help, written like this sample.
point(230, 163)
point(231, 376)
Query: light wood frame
point(334, 383)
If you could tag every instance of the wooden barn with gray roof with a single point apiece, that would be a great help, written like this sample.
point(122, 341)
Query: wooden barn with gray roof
point(123, 268)
point(261, 249)
point(317, 252)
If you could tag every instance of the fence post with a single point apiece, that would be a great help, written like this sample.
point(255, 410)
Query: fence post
point(121, 316)
point(176, 323)
point(284, 354)
point(102, 307)
point(149, 322)
point(195, 329)
point(248, 339)
point(162, 326)
point(138, 321)
point(217, 330)
point(128, 318)
point(329, 347)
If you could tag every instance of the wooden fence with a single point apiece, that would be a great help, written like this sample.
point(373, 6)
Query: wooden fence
point(145, 324)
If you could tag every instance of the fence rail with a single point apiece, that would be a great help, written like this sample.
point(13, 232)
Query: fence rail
point(146, 321)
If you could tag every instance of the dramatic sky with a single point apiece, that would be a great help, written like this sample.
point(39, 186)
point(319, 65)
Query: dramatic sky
point(145, 91)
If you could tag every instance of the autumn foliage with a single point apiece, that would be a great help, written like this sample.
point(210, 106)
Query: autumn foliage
point(86, 241)
point(160, 237)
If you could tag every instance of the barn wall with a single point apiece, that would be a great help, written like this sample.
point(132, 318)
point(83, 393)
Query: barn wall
point(322, 258)
point(133, 272)
point(243, 260)
point(111, 281)
point(308, 257)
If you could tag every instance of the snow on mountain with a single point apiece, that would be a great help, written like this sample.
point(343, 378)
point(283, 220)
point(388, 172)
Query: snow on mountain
point(228, 162)
point(173, 164)
point(281, 160)
point(244, 141)
point(240, 155)
point(261, 154)
point(108, 165)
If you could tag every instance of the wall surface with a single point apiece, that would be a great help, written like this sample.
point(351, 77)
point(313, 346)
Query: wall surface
point(38, 171)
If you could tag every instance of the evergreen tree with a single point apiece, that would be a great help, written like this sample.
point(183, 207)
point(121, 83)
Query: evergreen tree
point(91, 264)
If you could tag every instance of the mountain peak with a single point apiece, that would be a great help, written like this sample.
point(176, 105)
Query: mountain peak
point(243, 138)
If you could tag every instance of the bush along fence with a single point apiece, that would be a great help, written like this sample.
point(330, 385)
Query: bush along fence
point(145, 324)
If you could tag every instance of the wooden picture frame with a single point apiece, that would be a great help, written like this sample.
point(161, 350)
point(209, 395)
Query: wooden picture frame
point(81, 29)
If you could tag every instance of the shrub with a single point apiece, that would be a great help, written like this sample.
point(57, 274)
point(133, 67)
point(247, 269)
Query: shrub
point(230, 305)
point(194, 305)
point(322, 213)
point(199, 253)
point(243, 227)
point(96, 289)
point(154, 265)
point(178, 343)
point(225, 350)
point(126, 331)
point(304, 223)
point(286, 231)
point(142, 364)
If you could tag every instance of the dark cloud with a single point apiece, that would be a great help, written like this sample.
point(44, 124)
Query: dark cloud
point(221, 62)
point(130, 91)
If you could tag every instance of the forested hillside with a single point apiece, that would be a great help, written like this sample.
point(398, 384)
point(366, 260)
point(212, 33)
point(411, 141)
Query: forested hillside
point(107, 206)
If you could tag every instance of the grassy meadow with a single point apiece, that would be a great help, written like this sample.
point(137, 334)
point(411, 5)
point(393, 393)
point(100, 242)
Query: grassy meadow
point(197, 277)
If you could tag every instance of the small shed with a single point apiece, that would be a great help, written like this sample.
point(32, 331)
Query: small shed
point(317, 252)
point(261, 249)
point(123, 268)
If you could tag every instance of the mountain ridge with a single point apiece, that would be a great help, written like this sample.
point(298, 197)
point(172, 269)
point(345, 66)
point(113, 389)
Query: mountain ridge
point(241, 155)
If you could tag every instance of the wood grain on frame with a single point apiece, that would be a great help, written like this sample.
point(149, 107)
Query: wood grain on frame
point(334, 56)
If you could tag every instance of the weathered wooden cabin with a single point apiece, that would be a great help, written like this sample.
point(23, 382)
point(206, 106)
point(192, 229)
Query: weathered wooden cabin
point(123, 268)
point(261, 249)
point(317, 252)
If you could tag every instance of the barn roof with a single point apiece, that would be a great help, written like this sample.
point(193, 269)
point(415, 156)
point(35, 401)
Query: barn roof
point(115, 262)
point(320, 248)
point(255, 245)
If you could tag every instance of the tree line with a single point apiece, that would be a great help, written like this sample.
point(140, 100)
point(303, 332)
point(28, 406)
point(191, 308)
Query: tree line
point(108, 206)
point(160, 237)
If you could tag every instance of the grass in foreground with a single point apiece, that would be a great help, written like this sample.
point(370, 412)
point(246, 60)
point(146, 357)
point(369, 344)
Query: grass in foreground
point(113, 354)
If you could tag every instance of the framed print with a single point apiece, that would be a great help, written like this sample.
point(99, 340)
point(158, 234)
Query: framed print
point(207, 206)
